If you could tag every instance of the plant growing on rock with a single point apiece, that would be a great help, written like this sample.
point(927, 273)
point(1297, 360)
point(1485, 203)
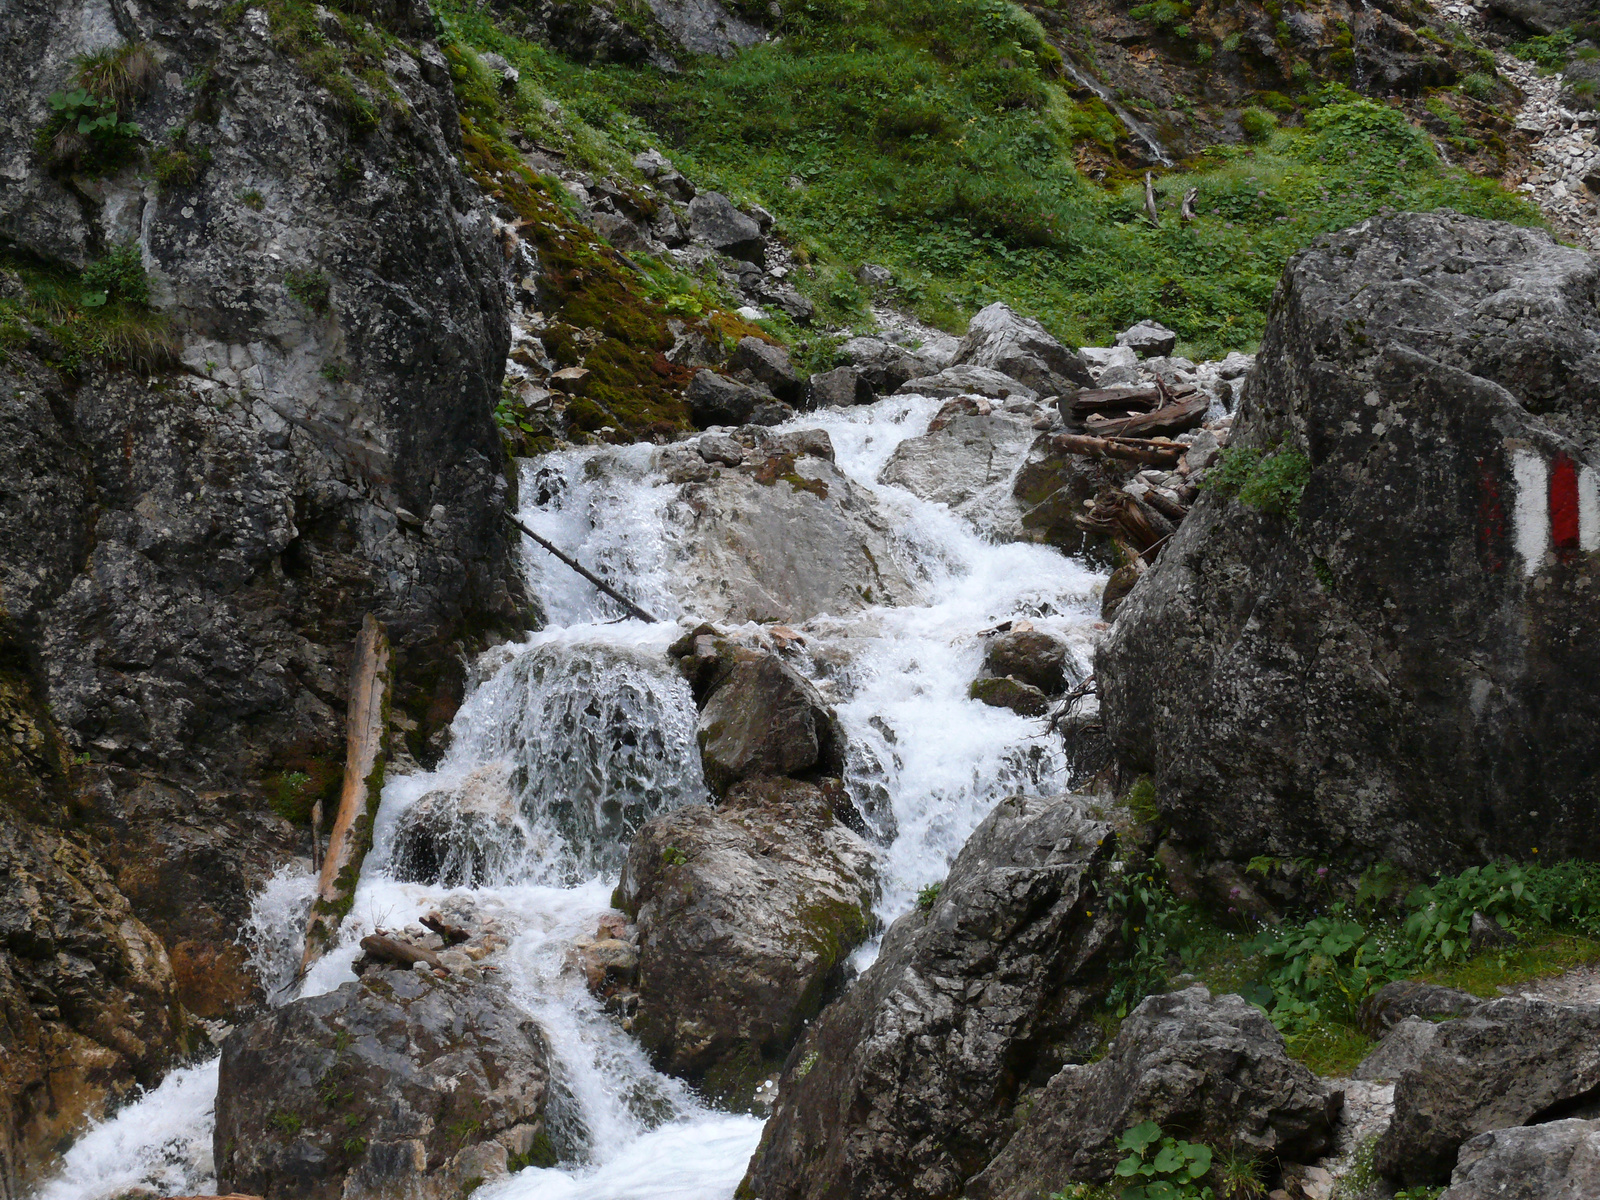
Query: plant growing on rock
point(1271, 481)
point(1162, 1168)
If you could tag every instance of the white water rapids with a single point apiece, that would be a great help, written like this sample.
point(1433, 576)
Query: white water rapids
point(596, 732)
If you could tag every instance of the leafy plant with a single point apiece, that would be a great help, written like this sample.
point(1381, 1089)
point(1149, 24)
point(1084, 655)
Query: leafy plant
point(1271, 481)
point(928, 896)
point(121, 74)
point(673, 857)
point(1550, 51)
point(1162, 1168)
point(311, 287)
point(120, 276)
point(87, 131)
point(1153, 927)
point(1258, 124)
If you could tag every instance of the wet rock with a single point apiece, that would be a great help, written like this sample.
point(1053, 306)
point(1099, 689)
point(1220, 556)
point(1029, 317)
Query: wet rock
point(764, 718)
point(1394, 1002)
point(719, 448)
point(1021, 698)
point(1213, 1067)
point(715, 221)
point(400, 1083)
point(838, 388)
point(1320, 708)
point(462, 836)
point(1100, 359)
point(746, 915)
point(1401, 1050)
point(966, 461)
point(800, 443)
point(1031, 656)
point(767, 366)
point(783, 539)
point(717, 400)
point(901, 1087)
point(885, 365)
point(1050, 487)
point(967, 380)
point(1018, 346)
point(1510, 1062)
point(1148, 339)
point(1557, 1160)
point(1117, 589)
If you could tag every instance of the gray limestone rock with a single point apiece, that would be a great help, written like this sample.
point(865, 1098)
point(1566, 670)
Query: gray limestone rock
point(967, 380)
point(764, 718)
point(1557, 1160)
point(884, 364)
point(1018, 346)
point(838, 388)
point(1214, 1067)
point(967, 463)
point(746, 914)
point(717, 400)
point(902, 1087)
point(1148, 339)
point(715, 221)
point(768, 366)
point(1401, 1050)
point(1350, 687)
point(398, 1084)
point(1510, 1062)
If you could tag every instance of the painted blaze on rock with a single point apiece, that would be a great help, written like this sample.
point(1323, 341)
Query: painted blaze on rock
point(1407, 672)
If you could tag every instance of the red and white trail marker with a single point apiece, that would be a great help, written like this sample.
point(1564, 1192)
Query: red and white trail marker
point(1557, 507)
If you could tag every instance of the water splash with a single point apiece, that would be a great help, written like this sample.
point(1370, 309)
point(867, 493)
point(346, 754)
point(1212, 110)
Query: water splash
point(275, 931)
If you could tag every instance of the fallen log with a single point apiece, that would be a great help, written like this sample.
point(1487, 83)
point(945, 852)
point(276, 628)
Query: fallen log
point(453, 935)
point(1116, 512)
point(1170, 509)
point(1139, 450)
point(1170, 420)
point(400, 953)
point(364, 762)
point(1112, 399)
point(633, 609)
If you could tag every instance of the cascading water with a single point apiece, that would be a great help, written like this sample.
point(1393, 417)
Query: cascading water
point(573, 738)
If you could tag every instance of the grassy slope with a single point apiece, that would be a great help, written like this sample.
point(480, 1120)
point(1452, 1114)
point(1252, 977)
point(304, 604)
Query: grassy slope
point(934, 137)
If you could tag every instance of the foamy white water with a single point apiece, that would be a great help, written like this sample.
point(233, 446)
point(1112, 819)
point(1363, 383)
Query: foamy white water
point(593, 732)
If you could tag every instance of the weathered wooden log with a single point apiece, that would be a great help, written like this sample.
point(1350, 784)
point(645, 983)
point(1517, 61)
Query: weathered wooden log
point(453, 935)
point(1170, 509)
point(366, 721)
point(633, 609)
point(1116, 512)
point(1150, 200)
point(402, 954)
point(1186, 212)
point(1119, 399)
point(316, 837)
point(1188, 413)
point(1153, 453)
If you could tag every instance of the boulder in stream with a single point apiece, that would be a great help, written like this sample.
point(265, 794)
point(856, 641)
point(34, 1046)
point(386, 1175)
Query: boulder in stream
point(1020, 347)
point(763, 717)
point(966, 461)
point(746, 914)
point(398, 1084)
point(902, 1088)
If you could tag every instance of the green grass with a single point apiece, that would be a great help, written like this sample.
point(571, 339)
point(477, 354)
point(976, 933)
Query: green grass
point(935, 137)
point(97, 317)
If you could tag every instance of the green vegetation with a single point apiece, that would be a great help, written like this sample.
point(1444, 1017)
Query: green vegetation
point(1313, 973)
point(673, 857)
point(1272, 481)
point(311, 287)
point(1162, 1168)
point(936, 137)
point(1550, 51)
point(97, 317)
point(928, 896)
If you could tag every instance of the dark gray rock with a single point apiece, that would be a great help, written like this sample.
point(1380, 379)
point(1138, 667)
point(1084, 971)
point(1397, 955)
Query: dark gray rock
point(901, 1088)
point(1148, 339)
point(768, 366)
point(461, 836)
point(1394, 1002)
point(1350, 686)
point(1545, 16)
point(1559, 1160)
point(399, 1084)
point(884, 364)
point(746, 914)
point(1215, 1068)
point(801, 443)
point(765, 718)
point(1510, 1062)
point(1050, 487)
point(717, 400)
point(1031, 656)
point(1017, 346)
point(1021, 698)
point(706, 27)
point(838, 388)
point(719, 448)
point(715, 221)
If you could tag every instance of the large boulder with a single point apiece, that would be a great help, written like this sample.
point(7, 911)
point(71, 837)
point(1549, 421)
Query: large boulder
point(1018, 346)
point(1511, 1062)
point(1406, 671)
point(966, 461)
point(1546, 16)
point(784, 537)
point(1050, 487)
point(717, 400)
point(966, 379)
point(1215, 1068)
point(902, 1087)
point(885, 364)
point(838, 388)
point(398, 1084)
point(765, 718)
point(1031, 656)
point(768, 366)
point(464, 835)
point(746, 914)
point(715, 221)
point(1557, 1160)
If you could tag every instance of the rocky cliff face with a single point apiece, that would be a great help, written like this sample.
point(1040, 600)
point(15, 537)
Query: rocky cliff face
point(187, 550)
point(1405, 671)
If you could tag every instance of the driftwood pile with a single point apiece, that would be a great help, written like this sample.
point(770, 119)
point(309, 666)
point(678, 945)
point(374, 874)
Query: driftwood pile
point(1134, 425)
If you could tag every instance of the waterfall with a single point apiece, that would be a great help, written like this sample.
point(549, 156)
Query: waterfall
point(572, 738)
point(1134, 126)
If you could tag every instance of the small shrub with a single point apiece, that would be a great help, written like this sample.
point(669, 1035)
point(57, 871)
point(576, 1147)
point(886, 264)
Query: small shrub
point(311, 287)
point(927, 897)
point(1479, 86)
point(175, 168)
point(1550, 51)
point(1271, 482)
point(87, 131)
point(121, 75)
point(1258, 124)
point(119, 276)
point(1141, 801)
point(252, 199)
